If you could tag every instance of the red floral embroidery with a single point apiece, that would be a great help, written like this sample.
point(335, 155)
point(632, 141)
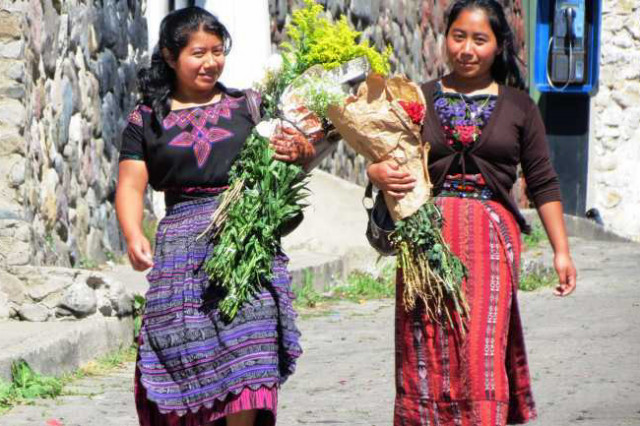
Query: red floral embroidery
point(467, 134)
point(462, 136)
point(414, 109)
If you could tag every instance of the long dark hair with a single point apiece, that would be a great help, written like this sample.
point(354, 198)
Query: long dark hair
point(157, 82)
point(505, 69)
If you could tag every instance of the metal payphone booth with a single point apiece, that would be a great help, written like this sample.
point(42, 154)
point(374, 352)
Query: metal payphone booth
point(567, 48)
point(566, 71)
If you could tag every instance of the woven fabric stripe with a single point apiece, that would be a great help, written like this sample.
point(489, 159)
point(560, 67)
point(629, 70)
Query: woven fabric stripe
point(482, 379)
point(265, 400)
point(190, 357)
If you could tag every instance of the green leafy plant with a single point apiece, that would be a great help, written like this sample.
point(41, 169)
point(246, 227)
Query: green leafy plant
point(264, 195)
point(533, 281)
point(107, 363)
point(306, 295)
point(149, 228)
point(431, 272)
point(315, 40)
point(87, 263)
point(139, 303)
point(535, 238)
point(27, 385)
point(363, 285)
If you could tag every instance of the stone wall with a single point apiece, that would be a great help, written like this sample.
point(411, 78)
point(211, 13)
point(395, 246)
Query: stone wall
point(615, 150)
point(67, 81)
point(415, 30)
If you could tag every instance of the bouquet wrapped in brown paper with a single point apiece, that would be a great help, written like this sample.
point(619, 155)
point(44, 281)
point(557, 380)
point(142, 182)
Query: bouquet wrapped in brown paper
point(376, 125)
point(383, 122)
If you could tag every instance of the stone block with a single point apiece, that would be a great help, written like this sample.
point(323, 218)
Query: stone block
point(104, 304)
point(80, 299)
point(5, 311)
point(12, 287)
point(111, 114)
point(12, 89)
point(632, 25)
point(48, 43)
point(12, 113)
point(11, 140)
point(106, 69)
point(48, 198)
point(366, 11)
point(10, 25)
point(613, 199)
point(18, 171)
point(12, 69)
point(13, 49)
point(20, 254)
point(23, 233)
point(34, 312)
point(627, 94)
point(95, 250)
point(53, 284)
point(121, 300)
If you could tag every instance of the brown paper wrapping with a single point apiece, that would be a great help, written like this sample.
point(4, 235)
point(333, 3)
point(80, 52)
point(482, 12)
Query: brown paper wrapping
point(377, 127)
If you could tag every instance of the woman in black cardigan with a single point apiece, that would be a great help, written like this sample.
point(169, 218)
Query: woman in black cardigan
point(480, 126)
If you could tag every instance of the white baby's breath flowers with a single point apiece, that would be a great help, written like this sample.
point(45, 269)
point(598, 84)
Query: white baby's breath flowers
point(274, 64)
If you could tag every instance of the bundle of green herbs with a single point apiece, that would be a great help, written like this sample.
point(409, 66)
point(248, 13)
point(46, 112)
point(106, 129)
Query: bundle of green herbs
point(431, 272)
point(264, 193)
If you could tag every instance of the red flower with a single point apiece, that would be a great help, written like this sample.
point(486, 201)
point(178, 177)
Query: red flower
point(466, 135)
point(415, 110)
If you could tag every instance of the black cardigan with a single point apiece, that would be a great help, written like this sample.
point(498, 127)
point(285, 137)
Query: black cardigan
point(514, 134)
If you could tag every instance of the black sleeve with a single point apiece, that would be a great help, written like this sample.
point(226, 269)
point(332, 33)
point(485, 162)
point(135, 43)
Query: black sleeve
point(539, 174)
point(133, 138)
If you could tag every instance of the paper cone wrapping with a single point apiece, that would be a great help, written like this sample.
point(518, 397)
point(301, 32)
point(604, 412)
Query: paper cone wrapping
point(374, 124)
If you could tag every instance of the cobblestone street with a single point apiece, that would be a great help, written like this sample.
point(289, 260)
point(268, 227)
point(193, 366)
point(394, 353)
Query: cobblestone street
point(583, 353)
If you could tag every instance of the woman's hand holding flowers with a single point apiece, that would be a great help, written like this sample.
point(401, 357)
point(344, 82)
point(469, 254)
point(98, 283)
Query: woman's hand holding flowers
point(387, 177)
point(291, 146)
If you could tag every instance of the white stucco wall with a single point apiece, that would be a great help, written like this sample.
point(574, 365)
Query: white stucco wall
point(248, 24)
point(156, 10)
point(614, 156)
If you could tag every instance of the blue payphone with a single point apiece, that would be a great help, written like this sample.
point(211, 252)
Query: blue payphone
point(567, 47)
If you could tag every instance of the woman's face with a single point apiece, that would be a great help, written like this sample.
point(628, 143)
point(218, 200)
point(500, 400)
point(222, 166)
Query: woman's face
point(471, 44)
point(200, 63)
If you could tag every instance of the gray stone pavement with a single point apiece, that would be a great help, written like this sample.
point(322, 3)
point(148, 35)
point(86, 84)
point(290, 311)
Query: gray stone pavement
point(584, 353)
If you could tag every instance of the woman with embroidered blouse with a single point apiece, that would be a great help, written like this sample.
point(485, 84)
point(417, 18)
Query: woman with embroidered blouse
point(479, 126)
point(195, 367)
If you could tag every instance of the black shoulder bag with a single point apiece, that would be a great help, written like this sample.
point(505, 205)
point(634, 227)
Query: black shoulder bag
point(380, 225)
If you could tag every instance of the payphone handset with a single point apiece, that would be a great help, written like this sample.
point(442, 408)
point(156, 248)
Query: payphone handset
point(567, 45)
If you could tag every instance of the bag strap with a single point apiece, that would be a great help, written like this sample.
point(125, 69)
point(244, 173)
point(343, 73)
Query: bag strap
point(368, 201)
point(254, 100)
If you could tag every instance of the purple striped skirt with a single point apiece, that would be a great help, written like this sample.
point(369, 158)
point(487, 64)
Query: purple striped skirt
point(192, 363)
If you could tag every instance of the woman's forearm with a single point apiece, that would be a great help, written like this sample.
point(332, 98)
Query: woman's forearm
point(129, 209)
point(551, 215)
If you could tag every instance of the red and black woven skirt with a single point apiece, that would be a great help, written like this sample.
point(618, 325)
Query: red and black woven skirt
point(481, 379)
